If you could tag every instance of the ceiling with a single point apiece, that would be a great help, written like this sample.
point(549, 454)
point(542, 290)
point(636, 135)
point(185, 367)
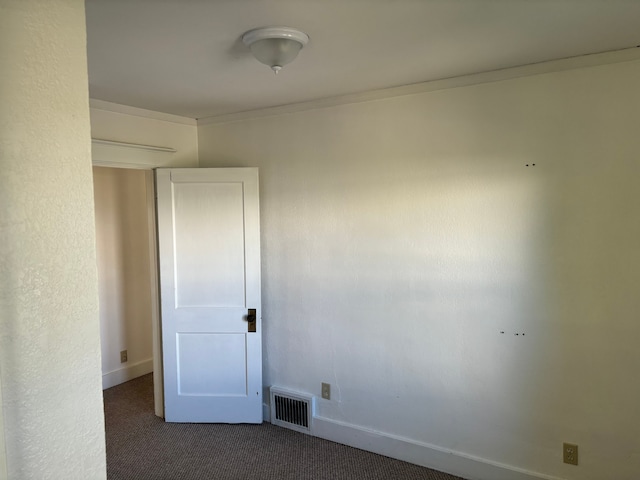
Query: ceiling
point(186, 57)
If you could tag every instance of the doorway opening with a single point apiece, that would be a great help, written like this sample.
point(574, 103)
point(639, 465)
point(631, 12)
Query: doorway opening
point(127, 276)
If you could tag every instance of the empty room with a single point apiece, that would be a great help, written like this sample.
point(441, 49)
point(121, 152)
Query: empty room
point(417, 220)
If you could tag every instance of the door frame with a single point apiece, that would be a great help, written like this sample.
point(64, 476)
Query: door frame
point(148, 158)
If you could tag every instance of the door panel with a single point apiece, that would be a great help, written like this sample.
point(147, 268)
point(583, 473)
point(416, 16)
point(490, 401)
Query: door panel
point(217, 278)
point(219, 378)
point(209, 251)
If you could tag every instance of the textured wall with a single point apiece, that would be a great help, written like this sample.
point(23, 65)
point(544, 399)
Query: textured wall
point(122, 242)
point(49, 330)
point(3, 450)
point(402, 237)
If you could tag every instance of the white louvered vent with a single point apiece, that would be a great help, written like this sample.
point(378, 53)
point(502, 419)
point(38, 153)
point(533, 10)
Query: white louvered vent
point(291, 409)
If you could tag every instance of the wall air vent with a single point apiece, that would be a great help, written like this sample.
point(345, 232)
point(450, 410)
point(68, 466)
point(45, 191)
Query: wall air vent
point(291, 410)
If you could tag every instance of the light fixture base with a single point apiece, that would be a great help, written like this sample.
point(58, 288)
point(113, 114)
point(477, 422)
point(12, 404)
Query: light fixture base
point(263, 33)
point(275, 46)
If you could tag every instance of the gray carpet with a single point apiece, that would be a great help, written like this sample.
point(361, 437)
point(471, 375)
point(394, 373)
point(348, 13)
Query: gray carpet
point(142, 446)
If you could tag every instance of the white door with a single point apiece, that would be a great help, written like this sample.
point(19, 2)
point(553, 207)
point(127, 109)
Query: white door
point(209, 251)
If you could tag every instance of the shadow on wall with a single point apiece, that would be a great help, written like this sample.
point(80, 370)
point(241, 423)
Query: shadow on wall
point(432, 287)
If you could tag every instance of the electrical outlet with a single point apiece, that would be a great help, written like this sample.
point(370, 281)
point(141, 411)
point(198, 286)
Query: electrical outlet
point(326, 391)
point(570, 453)
point(123, 356)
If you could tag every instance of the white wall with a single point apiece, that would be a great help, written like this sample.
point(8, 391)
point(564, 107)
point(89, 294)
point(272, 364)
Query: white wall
point(122, 243)
point(49, 329)
point(401, 237)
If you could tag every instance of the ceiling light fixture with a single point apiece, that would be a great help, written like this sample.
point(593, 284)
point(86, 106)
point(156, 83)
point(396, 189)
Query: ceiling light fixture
point(275, 46)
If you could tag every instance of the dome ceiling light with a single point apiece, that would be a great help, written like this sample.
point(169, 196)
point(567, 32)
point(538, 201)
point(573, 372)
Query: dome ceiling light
point(275, 46)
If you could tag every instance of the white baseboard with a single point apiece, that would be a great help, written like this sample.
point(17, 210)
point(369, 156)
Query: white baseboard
point(266, 413)
point(135, 370)
point(432, 456)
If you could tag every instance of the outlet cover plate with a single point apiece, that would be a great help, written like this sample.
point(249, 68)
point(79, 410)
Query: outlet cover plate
point(570, 453)
point(326, 391)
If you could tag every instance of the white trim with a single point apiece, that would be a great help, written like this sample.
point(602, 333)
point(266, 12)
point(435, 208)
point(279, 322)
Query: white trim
point(140, 112)
point(115, 164)
point(266, 413)
point(121, 375)
point(107, 153)
point(152, 148)
point(158, 382)
point(583, 61)
point(419, 453)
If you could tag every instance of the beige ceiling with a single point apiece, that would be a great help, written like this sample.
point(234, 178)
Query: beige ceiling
point(185, 57)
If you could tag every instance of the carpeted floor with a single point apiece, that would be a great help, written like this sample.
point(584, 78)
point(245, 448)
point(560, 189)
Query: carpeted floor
point(142, 446)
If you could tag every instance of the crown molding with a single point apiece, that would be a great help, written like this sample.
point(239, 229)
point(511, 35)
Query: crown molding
point(140, 112)
point(571, 63)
